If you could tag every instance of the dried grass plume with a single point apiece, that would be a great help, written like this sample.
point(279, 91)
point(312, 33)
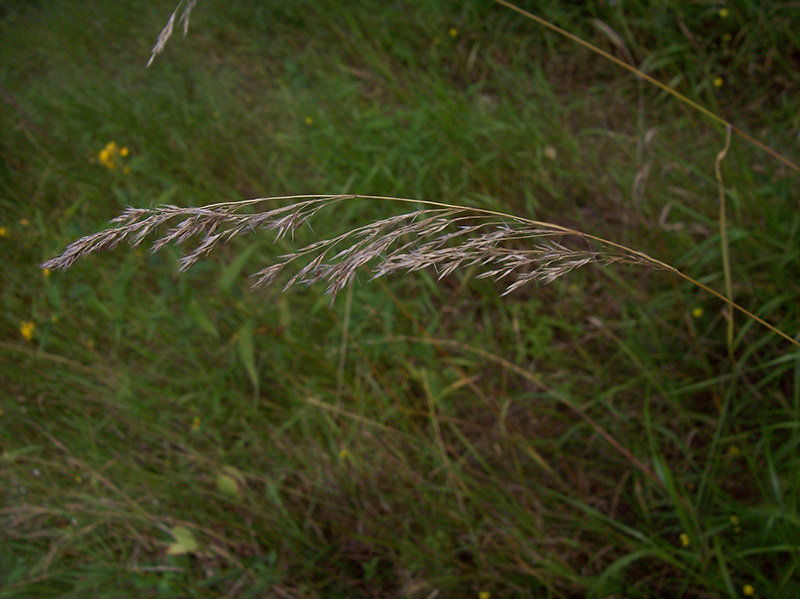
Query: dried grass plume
point(439, 236)
point(166, 33)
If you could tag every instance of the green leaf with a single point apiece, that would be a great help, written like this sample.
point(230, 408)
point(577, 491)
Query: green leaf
point(234, 269)
point(246, 349)
point(200, 318)
point(184, 541)
point(12, 454)
point(229, 483)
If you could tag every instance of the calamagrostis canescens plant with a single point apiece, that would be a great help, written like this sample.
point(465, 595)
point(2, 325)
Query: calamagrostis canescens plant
point(441, 236)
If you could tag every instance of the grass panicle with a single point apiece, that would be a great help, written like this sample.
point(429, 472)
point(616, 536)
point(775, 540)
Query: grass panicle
point(444, 238)
point(166, 33)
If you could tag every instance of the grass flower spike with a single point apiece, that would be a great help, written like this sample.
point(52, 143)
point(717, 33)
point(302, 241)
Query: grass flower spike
point(443, 237)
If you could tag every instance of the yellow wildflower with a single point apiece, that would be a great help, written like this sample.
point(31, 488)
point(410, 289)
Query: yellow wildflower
point(106, 155)
point(453, 32)
point(195, 423)
point(723, 13)
point(484, 595)
point(45, 272)
point(685, 540)
point(109, 156)
point(719, 82)
point(3, 232)
point(26, 329)
point(309, 120)
point(697, 312)
point(735, 522)
point(343, 453)
point(748, 590)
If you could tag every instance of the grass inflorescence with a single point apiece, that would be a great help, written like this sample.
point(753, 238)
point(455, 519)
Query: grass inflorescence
point(443, 238)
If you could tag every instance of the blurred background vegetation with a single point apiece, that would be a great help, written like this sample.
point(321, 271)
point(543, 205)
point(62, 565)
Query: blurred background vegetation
point(166, 435)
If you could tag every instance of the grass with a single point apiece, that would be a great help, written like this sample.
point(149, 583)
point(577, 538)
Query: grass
point(168, 434)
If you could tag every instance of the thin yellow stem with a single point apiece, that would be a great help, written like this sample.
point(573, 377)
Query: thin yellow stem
point(723, 235)
point(652, 80)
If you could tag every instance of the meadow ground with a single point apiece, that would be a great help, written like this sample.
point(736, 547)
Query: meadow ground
point(176, 435)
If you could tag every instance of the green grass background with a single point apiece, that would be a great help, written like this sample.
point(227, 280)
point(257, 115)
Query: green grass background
point(419, 438)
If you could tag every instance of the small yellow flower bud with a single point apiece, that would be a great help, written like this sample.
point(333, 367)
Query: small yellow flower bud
point(685, 540)
point(748, 590)
point(719, 82)
point(26, 329)
point(453, 32)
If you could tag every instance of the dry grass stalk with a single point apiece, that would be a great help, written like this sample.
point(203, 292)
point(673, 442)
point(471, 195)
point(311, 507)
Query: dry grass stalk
point(440, 236)
point(166, 33)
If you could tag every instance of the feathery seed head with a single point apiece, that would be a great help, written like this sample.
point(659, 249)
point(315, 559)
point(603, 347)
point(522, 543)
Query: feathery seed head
point(441, 237)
